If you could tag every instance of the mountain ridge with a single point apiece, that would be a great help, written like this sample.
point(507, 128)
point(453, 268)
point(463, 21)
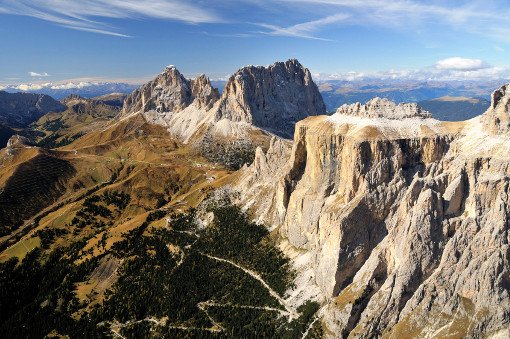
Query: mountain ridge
point(20, 109)
point(253, 96)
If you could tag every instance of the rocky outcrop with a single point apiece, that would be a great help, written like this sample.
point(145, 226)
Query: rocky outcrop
point(18, 141)
point(170, 91)
point(384, 108)
point(21, 109)
point(497, 118)
point(273, 98)
point(204, 93)
point(270, 98)
point(406, 221)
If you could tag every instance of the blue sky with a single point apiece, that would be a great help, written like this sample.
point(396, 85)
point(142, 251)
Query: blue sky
point(132, 40)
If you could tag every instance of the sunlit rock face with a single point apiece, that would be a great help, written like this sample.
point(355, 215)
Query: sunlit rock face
point(406, 217)
point(272, 98)
point(170, 91)
point(497, 117)
point(384, 108)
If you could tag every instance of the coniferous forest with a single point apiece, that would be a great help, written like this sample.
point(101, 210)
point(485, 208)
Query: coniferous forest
point(185, 280)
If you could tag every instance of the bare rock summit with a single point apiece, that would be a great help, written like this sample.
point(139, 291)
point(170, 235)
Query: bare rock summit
point(273, 98)
point(384, 108)
point(170, 91)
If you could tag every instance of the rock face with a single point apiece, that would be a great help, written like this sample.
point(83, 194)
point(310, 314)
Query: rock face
point(406, 222)
point(384, 108)
point(270, 98)
point(21, 109)
point(497, 117)
point(273, 98)
point(204, 93)
point(171, 92)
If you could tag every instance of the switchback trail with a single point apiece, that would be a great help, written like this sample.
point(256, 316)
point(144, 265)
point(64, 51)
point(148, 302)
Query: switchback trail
point(292, 314)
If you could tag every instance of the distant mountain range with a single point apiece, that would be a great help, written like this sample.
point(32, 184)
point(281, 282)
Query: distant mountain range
point(339, 92)
point(449, 108)
point(334, 92)
point(20, 109)
point(83, 89)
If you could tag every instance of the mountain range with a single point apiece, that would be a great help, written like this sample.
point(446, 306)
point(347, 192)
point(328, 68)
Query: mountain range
point(334, 92)
point(250, 212)
point(62, 90)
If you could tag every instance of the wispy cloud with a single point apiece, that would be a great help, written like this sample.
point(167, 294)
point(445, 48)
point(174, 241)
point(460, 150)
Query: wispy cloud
point(229, 35)
point(86, 15)
point(487, 18)
point(305, 29)
point(99, 31)
point(38, 75)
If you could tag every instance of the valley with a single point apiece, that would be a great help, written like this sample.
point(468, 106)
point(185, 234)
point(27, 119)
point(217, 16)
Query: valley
point(187, 211)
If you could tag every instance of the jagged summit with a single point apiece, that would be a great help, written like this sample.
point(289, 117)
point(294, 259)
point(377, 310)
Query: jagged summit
point(204, 93)
point(273, 97)
point(384, 108)
point(496, 119)
point(170, 91)
point(71, 97)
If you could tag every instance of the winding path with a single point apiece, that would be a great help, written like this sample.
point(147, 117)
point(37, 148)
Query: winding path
point(292, 314)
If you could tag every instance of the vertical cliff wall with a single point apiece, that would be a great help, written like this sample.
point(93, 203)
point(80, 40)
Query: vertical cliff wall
point(406, 218)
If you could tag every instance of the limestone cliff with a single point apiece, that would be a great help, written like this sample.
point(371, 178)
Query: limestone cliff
point(260, 100)
point(384, 108)
point(405, 218)
point(170, 91)
point(273, 97)
point(497, 117)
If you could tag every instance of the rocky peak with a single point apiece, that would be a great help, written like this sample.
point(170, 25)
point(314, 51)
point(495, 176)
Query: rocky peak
point(170, 91)
point(204, 93)
point(72, 97)
point(497, 118)
point(384, 108)
point(273, 97)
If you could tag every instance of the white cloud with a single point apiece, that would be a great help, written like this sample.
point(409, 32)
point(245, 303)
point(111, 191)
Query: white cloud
point(39, 75)
point(83, 15)
point(72, 85)
point(305, 29)
point(461, 64)
point(452, 69)
point(31, 87)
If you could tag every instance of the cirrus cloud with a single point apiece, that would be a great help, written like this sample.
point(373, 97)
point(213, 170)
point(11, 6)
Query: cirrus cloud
point(87, 15)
